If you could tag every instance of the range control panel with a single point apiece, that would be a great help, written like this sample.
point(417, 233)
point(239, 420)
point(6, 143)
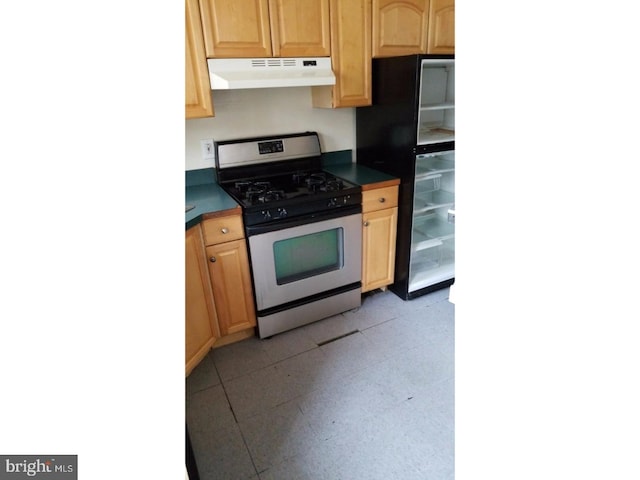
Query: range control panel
point(274, 146)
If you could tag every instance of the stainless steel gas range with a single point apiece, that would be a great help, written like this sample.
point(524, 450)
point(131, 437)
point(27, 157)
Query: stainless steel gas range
point(303, 228)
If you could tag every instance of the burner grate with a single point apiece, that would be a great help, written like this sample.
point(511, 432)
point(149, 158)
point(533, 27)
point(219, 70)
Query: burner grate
point(266, 196)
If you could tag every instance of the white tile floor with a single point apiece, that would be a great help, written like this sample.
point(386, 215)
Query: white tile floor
point(375, 404)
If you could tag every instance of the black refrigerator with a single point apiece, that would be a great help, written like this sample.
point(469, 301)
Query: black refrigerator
point(408, 132)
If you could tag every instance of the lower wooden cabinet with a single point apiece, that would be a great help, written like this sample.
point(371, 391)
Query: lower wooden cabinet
point(219, 296)
point(231, 280)
point(379, 224)
point(201, 321)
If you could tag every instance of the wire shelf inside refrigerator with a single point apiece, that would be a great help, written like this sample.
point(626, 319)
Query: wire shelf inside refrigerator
point(427, 166)
point(429, 200)
point(424, 276)
point(428, 135)
point(432, 265)
point(429, 227)
point(439, 105)
point(428, 183)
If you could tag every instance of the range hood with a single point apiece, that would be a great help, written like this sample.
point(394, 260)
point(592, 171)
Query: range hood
point(233, 73)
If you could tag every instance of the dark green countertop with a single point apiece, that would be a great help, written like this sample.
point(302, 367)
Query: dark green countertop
point(208, 197)
point(205, 195)
point(361, 175)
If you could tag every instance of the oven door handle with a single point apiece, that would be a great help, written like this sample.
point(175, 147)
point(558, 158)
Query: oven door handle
point(281, 224)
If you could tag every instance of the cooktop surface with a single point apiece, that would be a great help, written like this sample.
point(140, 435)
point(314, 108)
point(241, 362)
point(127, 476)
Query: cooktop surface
point(288, 188)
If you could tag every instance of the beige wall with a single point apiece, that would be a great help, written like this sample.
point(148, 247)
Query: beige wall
point(256, 112)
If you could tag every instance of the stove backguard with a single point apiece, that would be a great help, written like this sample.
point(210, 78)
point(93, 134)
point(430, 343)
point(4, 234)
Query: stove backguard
point(232, 157)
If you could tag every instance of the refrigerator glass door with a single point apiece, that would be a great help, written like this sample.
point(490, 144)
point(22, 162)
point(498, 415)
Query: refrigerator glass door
point(436, 114)
point(433, 227)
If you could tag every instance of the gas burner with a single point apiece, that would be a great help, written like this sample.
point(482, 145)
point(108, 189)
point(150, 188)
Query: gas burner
point(332, 185)
point(253, 190)
point(315, 181)
point(300, 178)
point(248, 186)
point(242, 186)
point(318, 182)
point(265, 196)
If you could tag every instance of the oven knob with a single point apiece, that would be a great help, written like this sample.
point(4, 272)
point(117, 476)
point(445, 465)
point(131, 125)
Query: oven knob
point(266, 214)
point(332, 202)
point(282, 212)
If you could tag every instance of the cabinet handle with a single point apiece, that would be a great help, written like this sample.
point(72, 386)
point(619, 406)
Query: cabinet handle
point(224, 230)
point(366, 224)
point(212, 259)
point(381, 200)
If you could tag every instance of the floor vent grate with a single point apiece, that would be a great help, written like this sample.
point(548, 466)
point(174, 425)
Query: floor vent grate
point(337, 338)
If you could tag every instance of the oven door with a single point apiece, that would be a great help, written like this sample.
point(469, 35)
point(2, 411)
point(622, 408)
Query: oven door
point(301, 258)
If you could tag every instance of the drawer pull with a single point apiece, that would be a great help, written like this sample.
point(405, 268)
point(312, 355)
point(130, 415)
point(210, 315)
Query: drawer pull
point(381, 200)
point(224, 230)
point(212, 259)
point(366, 224)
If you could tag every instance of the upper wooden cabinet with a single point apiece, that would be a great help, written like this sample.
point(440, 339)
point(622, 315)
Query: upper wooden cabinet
point(197, 87)
point(236, 28)
point(265, 28)
point(300, 28)
point(405, 27)
point(350, 56)
point(351, 32)
point(399, 27)
point(441, 27)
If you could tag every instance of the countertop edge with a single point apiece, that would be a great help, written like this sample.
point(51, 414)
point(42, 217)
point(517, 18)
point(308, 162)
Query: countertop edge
point(383, 184)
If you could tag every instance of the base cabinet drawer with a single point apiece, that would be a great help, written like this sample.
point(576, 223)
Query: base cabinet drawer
point(379, 198)
point(222, 229)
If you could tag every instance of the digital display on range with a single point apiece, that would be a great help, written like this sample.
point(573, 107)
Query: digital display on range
point(274, 146)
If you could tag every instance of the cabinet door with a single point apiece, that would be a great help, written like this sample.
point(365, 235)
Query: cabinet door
point(441, 27)
point(197, 87)
point(378, 248)
point(300, 28)
point(201, 323)
point(399, 27)
point(236, 28)
point(231, 280)
point(350, 56)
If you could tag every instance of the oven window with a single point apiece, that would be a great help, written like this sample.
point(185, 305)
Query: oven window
point(308, 255)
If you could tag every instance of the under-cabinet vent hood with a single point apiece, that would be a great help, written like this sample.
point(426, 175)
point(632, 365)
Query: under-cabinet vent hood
point(232, 73)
